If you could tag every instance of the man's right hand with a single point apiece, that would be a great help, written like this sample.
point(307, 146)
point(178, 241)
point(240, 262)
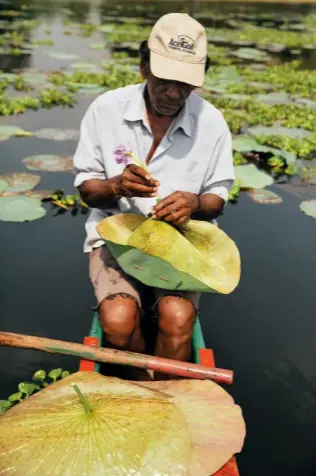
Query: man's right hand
point(136, 182)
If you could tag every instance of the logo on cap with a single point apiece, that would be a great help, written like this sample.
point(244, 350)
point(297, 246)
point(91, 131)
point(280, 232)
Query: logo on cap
point(182, 43)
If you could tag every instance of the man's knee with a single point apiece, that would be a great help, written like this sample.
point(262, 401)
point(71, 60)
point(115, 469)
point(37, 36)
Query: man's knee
point(119, 315)
point(176, 316)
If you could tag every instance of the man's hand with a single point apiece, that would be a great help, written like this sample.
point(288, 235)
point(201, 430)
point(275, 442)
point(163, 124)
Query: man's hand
point(136, 182)
point(177, 208)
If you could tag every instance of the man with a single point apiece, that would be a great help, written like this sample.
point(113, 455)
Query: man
point(186, 145)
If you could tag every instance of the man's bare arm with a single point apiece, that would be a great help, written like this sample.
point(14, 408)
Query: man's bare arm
point(99, 193)
point(210, 207)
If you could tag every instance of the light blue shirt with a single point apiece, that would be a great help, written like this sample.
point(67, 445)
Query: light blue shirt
point(195, 154)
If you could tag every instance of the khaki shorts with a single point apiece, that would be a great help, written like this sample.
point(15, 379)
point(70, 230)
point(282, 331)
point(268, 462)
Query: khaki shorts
point(109, 279)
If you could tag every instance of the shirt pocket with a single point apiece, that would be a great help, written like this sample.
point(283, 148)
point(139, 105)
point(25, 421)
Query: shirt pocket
point(187, 181)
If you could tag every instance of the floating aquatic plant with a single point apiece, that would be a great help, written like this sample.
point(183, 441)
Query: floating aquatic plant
point(20, 209)
point(57, 134)
point(265, 197)
point(154, 252)
point(19, 182)
point(182, 427)
point(249, 176)
point(67, 201)
point(51, 163)
point(309, 208)
point(6, 132)
point(39, 380)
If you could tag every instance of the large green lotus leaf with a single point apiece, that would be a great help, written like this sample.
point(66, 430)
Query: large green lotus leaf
point(51, 163)
point(245, 143)
point(11, 131)
point(19, 209)
point(199, 256)
point(227, 75)
point(249, 176)
point(265, 197)
point(250, 54)
point(130, 430)
point(154, 271)
point(20, 182)
point(216, 424)
point(309, 208)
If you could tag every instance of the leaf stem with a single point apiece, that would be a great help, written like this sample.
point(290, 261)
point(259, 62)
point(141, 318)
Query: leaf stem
point(82, 399)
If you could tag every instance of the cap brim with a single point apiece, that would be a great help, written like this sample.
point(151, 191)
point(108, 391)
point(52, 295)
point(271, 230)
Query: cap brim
point(174, 70)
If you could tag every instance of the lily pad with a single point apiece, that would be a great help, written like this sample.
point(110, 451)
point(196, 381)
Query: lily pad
point(34, 78)
point(97, 46)
point(87, 88)
point(107, 28)
point(309, 208)
point(8, 77)
point(58, 134)
point(292, 133)
point(250, 54)
point(244, 143)
point(249, 176)
point(3, 185)
point(12, 131)
point(20, 182)
point(20, 209)
point(276, 48)
point(50, 163)
point(61, 55)
point(259, 85)
point(265, 197)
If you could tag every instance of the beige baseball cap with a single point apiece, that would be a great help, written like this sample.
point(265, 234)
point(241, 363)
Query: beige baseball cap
point(178, 49)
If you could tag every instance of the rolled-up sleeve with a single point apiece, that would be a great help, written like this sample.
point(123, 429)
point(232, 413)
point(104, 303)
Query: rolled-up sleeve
point(88, 163)
point(220, 173)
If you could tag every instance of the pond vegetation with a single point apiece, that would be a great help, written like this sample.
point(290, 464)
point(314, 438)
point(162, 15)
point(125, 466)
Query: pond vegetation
point(259, 79)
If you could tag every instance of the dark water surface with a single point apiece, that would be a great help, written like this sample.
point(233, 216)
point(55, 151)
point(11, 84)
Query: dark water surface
point(265, 330)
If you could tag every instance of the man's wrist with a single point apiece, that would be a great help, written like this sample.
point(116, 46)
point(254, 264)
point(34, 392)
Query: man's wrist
point(197, 204)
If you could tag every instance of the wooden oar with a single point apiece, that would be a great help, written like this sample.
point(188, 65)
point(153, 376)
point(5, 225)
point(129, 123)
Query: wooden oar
point(100, 354)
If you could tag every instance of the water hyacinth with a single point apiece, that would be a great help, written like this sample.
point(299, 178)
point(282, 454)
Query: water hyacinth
point(124, 155)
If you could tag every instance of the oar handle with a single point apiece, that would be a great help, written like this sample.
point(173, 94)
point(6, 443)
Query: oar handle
point(100, 354)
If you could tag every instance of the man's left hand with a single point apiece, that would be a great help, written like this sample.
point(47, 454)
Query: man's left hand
point(177, 208)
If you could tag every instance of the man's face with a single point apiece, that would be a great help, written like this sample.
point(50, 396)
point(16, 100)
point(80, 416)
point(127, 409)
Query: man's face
point(167, 97)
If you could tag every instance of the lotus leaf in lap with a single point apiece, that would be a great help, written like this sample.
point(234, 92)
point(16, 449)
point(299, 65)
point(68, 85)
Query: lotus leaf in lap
point(196, 256)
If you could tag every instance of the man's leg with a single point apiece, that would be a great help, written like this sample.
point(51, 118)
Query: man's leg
point(176, 316)
point(119, 301)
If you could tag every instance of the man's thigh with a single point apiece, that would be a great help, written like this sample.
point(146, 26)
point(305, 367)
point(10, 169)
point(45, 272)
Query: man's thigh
point(109, 279)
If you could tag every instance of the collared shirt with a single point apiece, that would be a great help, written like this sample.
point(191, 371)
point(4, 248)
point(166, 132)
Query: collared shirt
point(195, 154)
